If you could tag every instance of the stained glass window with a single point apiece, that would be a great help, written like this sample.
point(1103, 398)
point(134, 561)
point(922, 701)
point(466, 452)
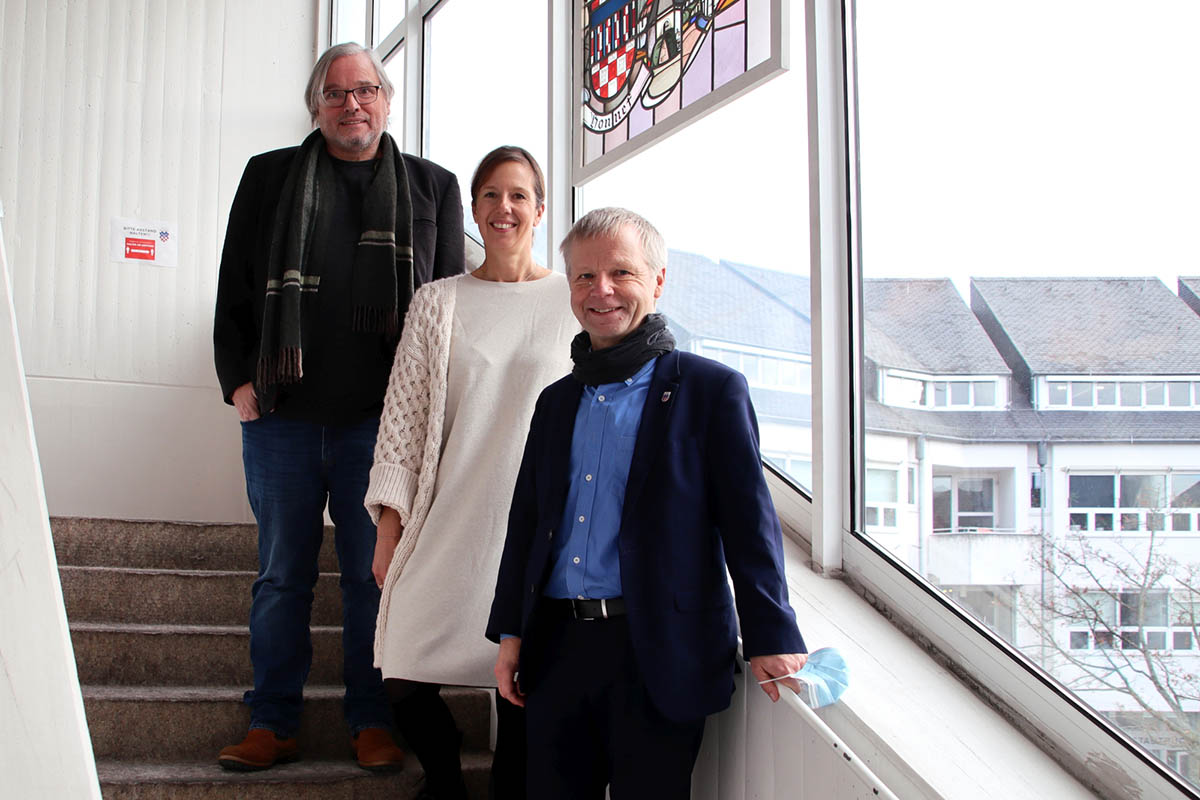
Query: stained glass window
point(646, 61)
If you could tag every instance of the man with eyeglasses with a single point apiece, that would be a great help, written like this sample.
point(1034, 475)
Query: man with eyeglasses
point(326, 244)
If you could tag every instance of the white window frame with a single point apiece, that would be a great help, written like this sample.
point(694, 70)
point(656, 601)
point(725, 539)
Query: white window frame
point(1120, 628)
point(882, 507)
point(955, 512)
point(1168, 511)
point(1044, 401)
point(1000, 399)
point(410, 32)
point(1041, 705)
point(706, 347)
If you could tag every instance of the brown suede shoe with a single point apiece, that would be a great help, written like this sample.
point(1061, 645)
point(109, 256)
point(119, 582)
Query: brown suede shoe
point(260, 749)
point(376, 751)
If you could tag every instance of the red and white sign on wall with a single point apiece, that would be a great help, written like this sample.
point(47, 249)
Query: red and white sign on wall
point(144, 242)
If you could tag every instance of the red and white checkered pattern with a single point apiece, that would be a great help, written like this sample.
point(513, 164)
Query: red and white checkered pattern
point(608, 77)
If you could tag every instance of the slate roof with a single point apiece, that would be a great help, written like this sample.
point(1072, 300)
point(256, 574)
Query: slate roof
point(793, 289)
point(1028, 425)
point(924, 325)
point(1082, 326)
point(779, 406)
point(707, 299)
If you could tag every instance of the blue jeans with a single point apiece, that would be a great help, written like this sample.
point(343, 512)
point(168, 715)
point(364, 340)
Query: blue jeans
point(292, 468)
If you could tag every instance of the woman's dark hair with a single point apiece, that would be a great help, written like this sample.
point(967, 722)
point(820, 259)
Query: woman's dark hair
point(497, 157)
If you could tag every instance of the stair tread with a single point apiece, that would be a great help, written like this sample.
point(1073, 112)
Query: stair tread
point(199, 573)
point(219, 693)
point(204, 573)
point(171, 627)
point(113, 772)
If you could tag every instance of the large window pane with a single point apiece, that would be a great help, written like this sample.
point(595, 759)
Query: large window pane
point(981, 174)
point(729, 192)
point(975, 494)
point(350, 21)
point(1143, 491)
point(485, 85)
point(1185, 490)
point(942, 501)
point(391, 12)
point(1091, 491)
point(1131, 394)
point(395, 72)
point(1143, 608)
point(985, 393)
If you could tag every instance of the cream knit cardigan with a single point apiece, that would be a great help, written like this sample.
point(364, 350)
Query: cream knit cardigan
point(408, 447)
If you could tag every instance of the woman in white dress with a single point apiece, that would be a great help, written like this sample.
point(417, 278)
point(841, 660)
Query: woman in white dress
point(476, 351)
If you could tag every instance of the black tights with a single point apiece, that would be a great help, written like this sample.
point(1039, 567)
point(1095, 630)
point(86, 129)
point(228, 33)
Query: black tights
point(425, 722)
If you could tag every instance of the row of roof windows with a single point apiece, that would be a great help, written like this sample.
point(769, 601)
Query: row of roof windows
point(1154, 394)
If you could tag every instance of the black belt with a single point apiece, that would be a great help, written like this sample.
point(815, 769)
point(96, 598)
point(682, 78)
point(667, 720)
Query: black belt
point(593, 609)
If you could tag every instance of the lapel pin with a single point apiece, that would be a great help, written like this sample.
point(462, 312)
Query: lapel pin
point(666, 396)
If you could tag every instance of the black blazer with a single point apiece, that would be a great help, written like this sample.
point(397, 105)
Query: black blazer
point(695, 503)
point(237, 325)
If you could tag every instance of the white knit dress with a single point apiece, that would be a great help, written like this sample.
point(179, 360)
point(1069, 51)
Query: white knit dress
point(472, 361)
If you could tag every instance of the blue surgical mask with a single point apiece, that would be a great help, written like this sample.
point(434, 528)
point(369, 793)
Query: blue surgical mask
point(823, 678)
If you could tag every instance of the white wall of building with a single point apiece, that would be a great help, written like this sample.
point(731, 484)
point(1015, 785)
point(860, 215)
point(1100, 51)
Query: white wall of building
point(145, 110)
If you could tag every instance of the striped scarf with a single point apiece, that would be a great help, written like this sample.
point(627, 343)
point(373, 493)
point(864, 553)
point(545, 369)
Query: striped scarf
point(382, 279)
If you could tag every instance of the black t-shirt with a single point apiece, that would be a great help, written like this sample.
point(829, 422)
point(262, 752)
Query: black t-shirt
point(345, 371)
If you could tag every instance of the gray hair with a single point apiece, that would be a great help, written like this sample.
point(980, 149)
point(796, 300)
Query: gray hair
point(608, 222)
point(316, 81)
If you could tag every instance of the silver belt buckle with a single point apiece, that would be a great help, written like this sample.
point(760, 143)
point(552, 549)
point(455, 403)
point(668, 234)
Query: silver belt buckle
point(603, 608)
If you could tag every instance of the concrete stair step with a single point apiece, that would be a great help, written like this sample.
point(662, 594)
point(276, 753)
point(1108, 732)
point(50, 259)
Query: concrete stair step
point(164, 545)
point(159, 724)
point(189, 597)
point(158, 615)
point(123, 654)
point(340, 779)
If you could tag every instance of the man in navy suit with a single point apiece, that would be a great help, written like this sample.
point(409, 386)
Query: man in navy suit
point(640, 486)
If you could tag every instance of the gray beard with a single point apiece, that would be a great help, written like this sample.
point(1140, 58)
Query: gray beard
point(360, 143)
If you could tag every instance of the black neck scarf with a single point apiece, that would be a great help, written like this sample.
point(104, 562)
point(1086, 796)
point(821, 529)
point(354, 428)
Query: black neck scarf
point(382, 277)
point(623, 359)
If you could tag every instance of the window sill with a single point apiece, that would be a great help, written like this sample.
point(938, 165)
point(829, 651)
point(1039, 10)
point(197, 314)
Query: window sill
point(917, 726)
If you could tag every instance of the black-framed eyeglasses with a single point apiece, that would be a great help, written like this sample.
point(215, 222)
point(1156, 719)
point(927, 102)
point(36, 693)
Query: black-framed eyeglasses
point(365, 95)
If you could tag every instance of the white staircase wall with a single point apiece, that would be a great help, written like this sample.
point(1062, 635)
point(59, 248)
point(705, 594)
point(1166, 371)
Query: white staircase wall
point(144, 109)
point(44, 746)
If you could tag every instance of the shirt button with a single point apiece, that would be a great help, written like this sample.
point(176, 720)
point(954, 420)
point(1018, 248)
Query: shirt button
point(575, 559)
point(578, 597)
point(600, 398)
point(581, 517)
point(587, 477)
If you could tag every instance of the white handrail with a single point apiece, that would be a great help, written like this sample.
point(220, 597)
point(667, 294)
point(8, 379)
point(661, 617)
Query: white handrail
point(856, 764)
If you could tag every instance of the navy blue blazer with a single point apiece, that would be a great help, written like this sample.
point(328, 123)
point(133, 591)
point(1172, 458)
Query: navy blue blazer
point(695, 503)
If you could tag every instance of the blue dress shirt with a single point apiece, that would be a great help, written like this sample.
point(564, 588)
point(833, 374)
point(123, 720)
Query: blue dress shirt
point(585, 561)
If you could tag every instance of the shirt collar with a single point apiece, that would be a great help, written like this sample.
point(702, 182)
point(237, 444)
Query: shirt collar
point(641, 377)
